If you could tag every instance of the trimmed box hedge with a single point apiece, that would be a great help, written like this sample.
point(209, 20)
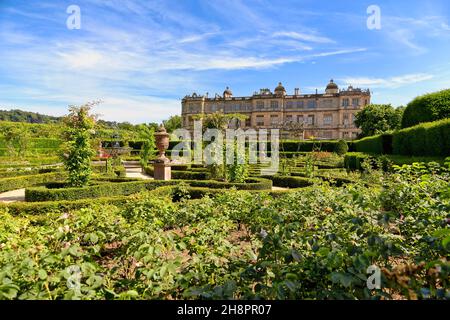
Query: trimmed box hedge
point(290, 181)
point(426, 139)
point(379, 144)
point(353, 160)
point(126, 188)
point(8, 184)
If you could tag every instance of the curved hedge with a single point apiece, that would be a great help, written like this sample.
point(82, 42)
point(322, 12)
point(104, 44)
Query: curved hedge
point(126, 188)
point(8, 184)
point(432, 139)
point(378, 144)
point(426, 108)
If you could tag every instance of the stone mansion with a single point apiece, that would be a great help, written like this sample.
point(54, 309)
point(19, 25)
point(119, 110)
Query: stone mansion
point(328, 115)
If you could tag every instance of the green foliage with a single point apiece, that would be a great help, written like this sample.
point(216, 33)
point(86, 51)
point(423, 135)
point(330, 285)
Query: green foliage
point(173, 123)
point(427, 108)
point(148, 145)
point(378, 118)
point(13, 183)
point(341, 147)
point(432, 139)
point(78, 150)
point(316, 243)
point(17, 141)
point(378, 144)
point(16, 115)
point(118, 187)
point(290, 181)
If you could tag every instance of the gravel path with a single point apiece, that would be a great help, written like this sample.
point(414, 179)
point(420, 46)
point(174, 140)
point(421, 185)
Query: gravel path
point(12, 196)
point(136, 172)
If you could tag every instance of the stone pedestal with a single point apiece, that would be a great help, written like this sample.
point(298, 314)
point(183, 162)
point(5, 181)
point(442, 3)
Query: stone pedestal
point(162, 171)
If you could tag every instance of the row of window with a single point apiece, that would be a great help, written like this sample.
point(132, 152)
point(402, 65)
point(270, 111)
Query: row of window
point(274, 105)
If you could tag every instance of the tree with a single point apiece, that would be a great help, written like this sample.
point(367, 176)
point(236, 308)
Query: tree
point(173, 123)
point(218, 120)
point(427, 108)
point(17, 140)
point(378, 118)
point(146, 132)
point(77, 149)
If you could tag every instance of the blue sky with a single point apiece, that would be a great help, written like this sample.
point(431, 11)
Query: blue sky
point(142, 57)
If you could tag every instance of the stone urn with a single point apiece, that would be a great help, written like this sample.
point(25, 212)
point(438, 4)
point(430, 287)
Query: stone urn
point(162, 143)
point(162, 170)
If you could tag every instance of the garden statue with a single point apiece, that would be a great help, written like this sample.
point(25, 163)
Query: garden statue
point(162, 170)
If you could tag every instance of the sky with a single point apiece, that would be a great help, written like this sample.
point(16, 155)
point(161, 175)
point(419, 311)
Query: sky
point(142, 57)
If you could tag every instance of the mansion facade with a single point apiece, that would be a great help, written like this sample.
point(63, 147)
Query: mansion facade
point(328, 115)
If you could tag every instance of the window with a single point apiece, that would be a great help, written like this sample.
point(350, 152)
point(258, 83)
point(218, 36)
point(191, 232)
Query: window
point(355, 102)
point(300, 119)
point(327, 119)
point(366, 102)
point(289, 118)
point(289, 105)
point(327, 135)
point(345, 135)
point(300, 104)
point(260, 120)
point(312, 104)
point(214, 108)
point(310, 120)
point(248, 122)
point(274, 104)
point(237, 107)
point(328, 103)
point(273, 119)
point(345, 119)
point(345, 102)
point(260, 105)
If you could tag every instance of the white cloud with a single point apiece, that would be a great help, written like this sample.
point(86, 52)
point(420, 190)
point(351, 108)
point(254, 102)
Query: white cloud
point(393, 82)
point(303, 36)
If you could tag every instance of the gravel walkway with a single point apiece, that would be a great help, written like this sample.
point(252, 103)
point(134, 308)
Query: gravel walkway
point(12, 196)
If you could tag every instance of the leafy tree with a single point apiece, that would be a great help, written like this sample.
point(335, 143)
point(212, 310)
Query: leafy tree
point(17, 140)
point(146, 132)
point(78, 150)
point(172, 123)
point(378, 118)
point(427, 108)
point(220, 121)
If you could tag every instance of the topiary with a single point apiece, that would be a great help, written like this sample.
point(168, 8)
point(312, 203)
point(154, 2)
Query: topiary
point(341, 147)
point(427, 108)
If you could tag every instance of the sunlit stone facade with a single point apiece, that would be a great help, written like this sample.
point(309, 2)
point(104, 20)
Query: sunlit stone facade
point(328, 115)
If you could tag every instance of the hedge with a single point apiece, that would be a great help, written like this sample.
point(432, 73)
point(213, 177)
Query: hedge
point(16, 172)
point(8, 184)
point(426, 139)
point(181, 174)
point(379, 144)
point(353, 160)
point(426, 108)
point(35, 208)
point(127, 188)
point(290, 181)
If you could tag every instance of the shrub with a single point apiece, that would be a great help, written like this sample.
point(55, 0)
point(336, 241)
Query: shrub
point(290, 181)
point(354, 160)
point(29, 180)
point(426, 139)
point(114, 188)
point(426, 108)
point(379, 144)
point(341, 147)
